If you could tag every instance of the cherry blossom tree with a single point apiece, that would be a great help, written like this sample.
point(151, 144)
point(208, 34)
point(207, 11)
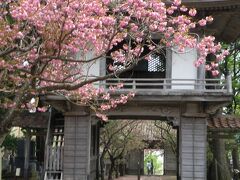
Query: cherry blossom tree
point(39, 40)
point(119, 137)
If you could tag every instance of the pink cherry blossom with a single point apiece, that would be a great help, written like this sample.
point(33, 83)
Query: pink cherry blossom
point(192, 12)
point(183, 9)
point(215, 72)
point(42, 109)
point(177, 2)
point(209, 18)
point(208, 67)
point(202, 22)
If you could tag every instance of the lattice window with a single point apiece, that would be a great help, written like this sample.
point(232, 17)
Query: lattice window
point(156, 63)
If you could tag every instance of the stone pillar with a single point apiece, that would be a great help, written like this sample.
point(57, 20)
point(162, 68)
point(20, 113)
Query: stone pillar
point(192, 148)
point(77, 137)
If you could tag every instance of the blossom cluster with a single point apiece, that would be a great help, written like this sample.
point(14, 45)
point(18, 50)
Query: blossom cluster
point(99, 100)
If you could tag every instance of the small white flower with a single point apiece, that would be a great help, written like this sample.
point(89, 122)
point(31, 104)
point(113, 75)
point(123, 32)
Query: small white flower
point(25, 63)
point(33, 101)
point(20, 35)
point(33, 110)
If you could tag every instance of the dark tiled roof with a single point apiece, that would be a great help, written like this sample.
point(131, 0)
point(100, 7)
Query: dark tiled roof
point(213, 4)
point(224, 122)
point(31, 120)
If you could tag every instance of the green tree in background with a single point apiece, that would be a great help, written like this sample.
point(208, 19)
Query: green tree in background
point(231, 65)
point(10, 143)
point(154, 156)
point(224, 150)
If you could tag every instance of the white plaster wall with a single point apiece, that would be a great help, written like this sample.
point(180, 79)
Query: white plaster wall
point(183, 68)
point(92, 69)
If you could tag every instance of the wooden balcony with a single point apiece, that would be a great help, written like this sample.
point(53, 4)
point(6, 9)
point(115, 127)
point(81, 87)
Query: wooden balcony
point(156, 97)
point(171, 85)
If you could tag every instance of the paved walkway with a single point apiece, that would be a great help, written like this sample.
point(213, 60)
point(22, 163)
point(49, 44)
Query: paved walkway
point(148, 178)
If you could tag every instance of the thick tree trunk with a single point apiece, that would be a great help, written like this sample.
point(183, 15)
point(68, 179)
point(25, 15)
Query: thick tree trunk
point(221, 167)
point(102, 166)
point(2, 137)
point(235, 158)
point(111, 170)
point(6, 121)
point(117, 171)
point(121, 169)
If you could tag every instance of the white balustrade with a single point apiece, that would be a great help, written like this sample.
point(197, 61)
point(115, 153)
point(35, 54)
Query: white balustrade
point(154, 84)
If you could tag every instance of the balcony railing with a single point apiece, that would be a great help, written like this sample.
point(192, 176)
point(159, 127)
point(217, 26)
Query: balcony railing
point(152, 84)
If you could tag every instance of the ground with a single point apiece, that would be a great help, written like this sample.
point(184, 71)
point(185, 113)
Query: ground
point(148, 178)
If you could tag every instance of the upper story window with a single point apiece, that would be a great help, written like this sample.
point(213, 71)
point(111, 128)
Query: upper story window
point(157, 63)
point(155, 67)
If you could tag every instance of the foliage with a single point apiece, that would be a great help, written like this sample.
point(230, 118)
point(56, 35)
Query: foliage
point(167, 134)
point(237, 137)
point(117, 139)
point(120, 137)
point(231, 65)
point(10, 142)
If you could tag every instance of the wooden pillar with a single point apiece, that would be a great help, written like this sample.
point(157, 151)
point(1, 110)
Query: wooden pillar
point(27, 153)
point(77, 137)
point(98, 148)
point(192, 148)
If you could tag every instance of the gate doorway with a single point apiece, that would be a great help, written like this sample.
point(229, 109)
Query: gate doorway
point(127, 146)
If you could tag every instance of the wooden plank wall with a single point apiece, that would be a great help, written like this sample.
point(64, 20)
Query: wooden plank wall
point(77, 133)
point(192, 148)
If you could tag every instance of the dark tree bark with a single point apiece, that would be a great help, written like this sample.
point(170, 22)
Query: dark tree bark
point(117, 170)
point(102, 165)
point(121, 169)
point(111, 170)
point(6, 120)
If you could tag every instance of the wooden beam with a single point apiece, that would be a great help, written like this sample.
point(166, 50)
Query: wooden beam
point(221, 134)
point(150, 112)
point(226, 136)
point(224, 130)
